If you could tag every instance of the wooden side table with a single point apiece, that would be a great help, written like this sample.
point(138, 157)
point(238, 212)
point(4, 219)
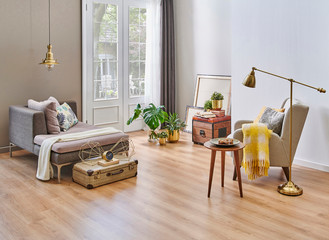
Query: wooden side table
point(235, 149)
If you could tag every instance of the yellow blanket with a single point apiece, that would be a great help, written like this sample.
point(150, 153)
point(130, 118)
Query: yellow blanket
point(256, 161)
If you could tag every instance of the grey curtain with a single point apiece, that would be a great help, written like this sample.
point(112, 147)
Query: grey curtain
point(167, 87)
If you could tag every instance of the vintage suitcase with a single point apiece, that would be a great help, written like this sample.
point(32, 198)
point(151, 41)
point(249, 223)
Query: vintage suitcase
point(91, 176)
point(205, 129)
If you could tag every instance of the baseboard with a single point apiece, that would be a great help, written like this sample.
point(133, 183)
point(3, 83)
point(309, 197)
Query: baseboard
point(313, 165)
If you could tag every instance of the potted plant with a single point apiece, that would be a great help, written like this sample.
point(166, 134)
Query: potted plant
point(153, 117)
point(217, 100)
point(162, 136)
point(207, 105)
point(173, 125)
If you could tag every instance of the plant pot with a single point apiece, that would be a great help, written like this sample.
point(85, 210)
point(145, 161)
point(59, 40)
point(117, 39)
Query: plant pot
point(173, 136)
point(162, 141)
point(217, 104)
point(152, 136)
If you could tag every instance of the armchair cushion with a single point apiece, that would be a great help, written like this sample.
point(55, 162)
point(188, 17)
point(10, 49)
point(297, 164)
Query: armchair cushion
point(273, 120)
point(263, 110)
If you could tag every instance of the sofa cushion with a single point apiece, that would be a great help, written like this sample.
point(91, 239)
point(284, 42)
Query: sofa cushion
point(273, 120)
point(51, 118)
point(49, 109)
point(71, 146)
point(66, 117)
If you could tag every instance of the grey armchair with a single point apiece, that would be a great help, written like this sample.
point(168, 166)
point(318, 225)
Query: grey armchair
point(279, 145)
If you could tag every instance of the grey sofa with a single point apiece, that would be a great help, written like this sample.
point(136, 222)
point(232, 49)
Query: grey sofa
point(27, 130)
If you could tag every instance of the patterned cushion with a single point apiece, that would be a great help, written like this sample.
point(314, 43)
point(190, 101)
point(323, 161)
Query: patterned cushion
point(66, 117)
point(273, 120)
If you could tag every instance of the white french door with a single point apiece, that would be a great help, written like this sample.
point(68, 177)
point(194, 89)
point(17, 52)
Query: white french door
point(114, 46)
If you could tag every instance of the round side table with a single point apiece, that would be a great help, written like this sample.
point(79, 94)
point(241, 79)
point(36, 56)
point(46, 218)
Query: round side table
point(235, 149)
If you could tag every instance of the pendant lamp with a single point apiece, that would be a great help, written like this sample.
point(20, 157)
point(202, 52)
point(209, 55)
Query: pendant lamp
point(49, 62)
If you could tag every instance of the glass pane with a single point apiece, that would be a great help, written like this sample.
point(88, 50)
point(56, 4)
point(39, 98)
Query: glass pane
point(97, 70)
point(106, 32)
point(143, 34)
point(134, 33)
point(105, 51)
point(133, 51)
point(143, 16)
point(134, 87)
point(133, 15)
point(142, 70)
point(133, 70)
point(137, 50)
point(142, 52)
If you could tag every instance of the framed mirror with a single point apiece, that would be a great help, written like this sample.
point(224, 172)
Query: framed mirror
point(190, 112)
point(207, 84)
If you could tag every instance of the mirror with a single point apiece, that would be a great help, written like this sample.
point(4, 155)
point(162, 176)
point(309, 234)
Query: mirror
point(190, 112)
point(207, 84)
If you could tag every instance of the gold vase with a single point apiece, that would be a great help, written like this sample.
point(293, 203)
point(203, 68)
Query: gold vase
point(162, 141)
point(217, 104)
point(173, 136)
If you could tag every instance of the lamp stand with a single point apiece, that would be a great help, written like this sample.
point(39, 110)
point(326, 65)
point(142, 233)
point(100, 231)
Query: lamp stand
point(289, 188)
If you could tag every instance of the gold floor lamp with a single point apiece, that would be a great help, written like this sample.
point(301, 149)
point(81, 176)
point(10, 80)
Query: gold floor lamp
point(288, 188)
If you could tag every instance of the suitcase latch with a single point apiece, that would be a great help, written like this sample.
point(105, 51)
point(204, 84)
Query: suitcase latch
point(202, 133)
point(98, 175)
point(131, 167)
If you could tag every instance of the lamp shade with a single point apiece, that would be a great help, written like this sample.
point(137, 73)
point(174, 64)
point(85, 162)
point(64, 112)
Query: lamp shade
point(250, 80)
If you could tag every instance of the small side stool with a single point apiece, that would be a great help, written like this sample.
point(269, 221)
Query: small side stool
point(235, 149)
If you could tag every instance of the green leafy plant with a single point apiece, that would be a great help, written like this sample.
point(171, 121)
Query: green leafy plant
point(153, 117)
point(162, 135)
point(207, 105)
point(217, 96)
point(173, 123)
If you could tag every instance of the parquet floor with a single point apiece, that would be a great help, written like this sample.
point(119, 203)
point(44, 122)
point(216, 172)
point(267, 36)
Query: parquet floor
point(167, 200)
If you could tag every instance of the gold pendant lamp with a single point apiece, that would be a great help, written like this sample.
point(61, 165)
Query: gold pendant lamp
point(49, 62)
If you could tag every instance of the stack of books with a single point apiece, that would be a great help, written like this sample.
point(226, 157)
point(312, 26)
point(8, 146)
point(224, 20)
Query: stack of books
point(211, 114)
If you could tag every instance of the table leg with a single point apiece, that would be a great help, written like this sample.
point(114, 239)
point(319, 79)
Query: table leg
point(223, 167)
point(237, 166)
point(212, 164)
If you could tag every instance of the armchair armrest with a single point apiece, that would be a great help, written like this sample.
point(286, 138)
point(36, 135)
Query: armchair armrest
point(24, 125)
point(238, 124)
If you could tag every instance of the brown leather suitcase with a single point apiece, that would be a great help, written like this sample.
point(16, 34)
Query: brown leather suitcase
point(205, 129)
point(92, 175)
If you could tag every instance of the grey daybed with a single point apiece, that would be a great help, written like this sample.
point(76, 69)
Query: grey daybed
point(27, 130)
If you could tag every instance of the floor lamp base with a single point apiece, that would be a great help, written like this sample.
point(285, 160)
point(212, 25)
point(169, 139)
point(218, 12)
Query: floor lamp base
point(290, 189)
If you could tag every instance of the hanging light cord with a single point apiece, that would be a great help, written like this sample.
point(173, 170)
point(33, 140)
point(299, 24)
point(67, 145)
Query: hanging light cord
point(49, 20)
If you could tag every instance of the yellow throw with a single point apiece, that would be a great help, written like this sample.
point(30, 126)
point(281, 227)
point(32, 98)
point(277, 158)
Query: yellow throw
point(256, 161)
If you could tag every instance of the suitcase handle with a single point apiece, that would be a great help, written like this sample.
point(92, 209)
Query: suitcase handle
point(202, 133)
point(114, 173)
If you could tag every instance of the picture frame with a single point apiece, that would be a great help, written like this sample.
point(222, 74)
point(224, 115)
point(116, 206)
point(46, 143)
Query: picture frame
point(207, 84)
point(189, 113)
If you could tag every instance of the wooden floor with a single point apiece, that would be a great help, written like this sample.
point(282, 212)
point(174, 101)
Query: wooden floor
point(167, 200)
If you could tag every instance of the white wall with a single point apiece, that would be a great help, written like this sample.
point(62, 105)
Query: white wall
point(203, 44)
point(290, 38)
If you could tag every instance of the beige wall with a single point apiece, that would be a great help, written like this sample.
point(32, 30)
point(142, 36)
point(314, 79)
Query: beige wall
point(23, 44)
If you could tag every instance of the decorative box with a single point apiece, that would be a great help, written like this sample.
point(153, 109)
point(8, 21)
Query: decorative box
point(204, 129)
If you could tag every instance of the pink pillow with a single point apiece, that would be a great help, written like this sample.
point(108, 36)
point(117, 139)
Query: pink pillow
point(52, 99)
point(49, 109)
point(51, 118)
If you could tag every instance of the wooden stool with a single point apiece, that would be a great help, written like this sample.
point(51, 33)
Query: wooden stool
point(235, 149)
